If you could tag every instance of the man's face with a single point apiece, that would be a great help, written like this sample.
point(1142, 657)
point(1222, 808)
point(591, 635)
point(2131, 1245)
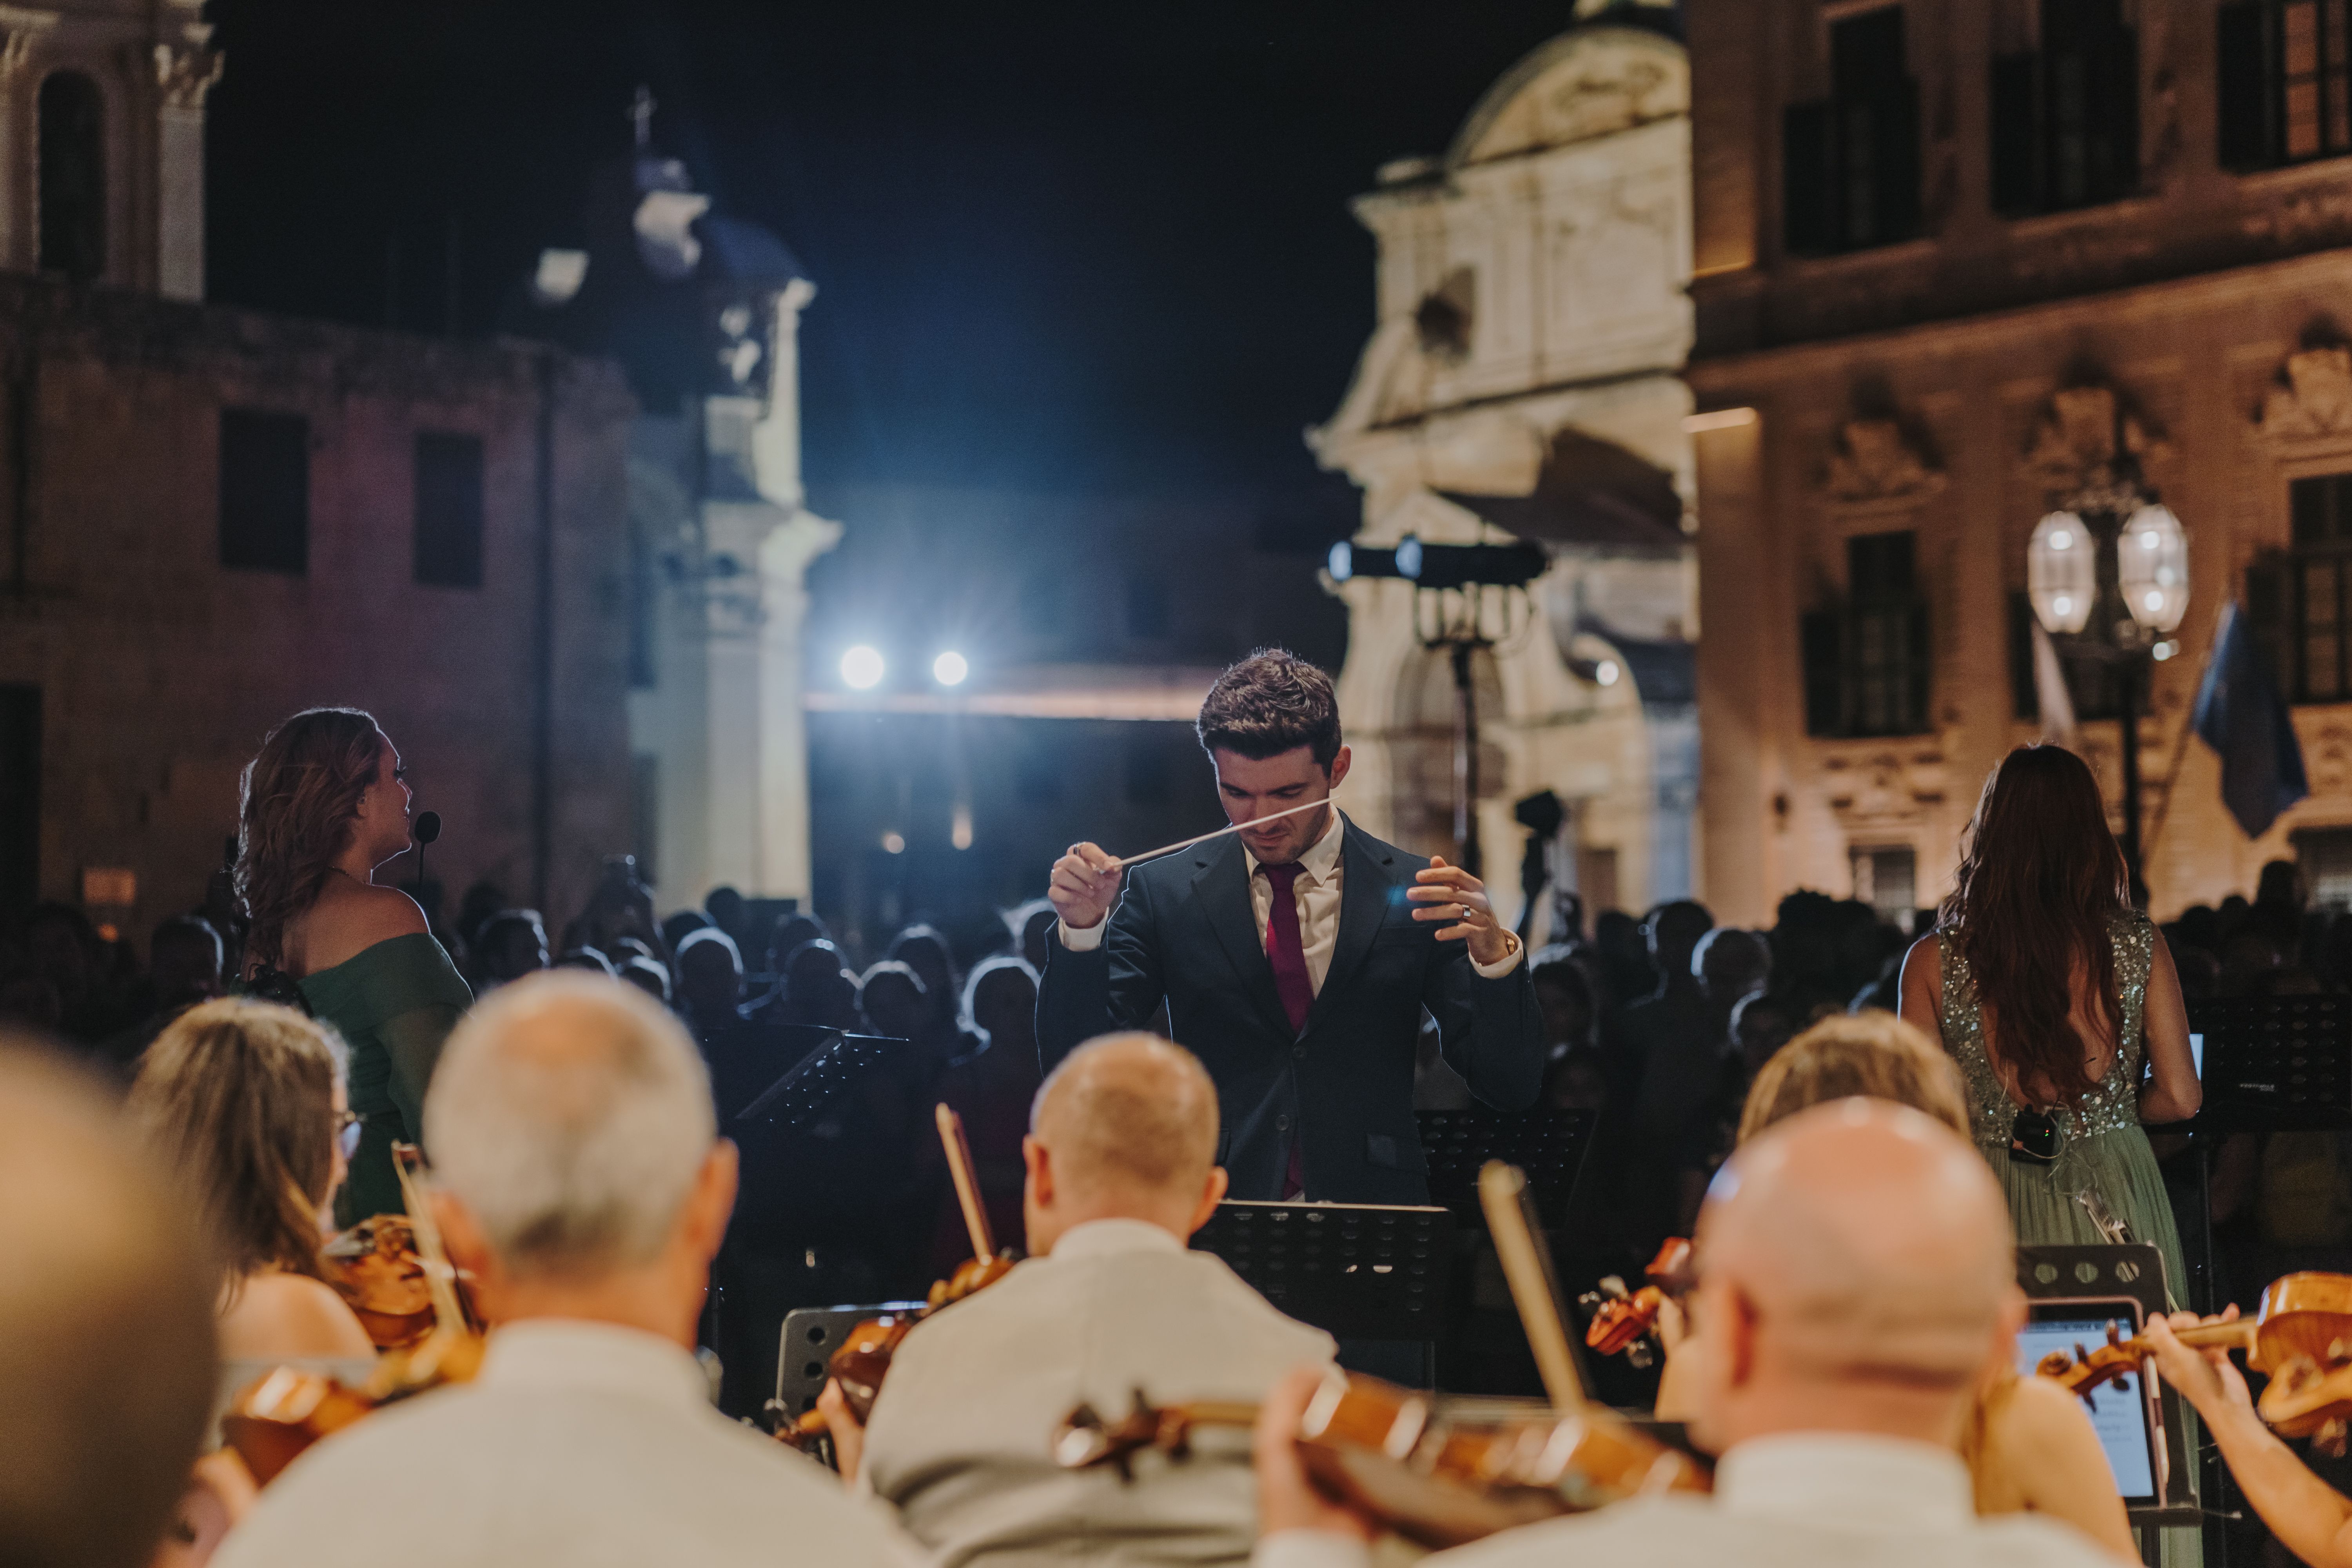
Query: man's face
point(1253, 787)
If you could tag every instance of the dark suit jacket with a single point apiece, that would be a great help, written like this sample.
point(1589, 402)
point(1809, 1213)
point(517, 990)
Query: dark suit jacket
point(1185, 933)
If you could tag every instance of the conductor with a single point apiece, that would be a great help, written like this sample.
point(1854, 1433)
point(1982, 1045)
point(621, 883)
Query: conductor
point(1297, 959)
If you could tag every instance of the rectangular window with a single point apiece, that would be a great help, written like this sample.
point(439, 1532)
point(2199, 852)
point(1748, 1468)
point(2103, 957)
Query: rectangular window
point(264, 491)
point(1850, 166)
point(2065, 118)
point(1887, 880)
point(448, 478)
point(1866, 662)
point(2326, 855)
point(20, 798)
point(2284, 82)
point(2301, 602)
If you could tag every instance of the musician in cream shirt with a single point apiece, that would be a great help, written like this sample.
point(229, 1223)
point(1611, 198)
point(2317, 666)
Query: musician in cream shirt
point(578, 1173)
point(1855, 1271)
point(1120, 1173)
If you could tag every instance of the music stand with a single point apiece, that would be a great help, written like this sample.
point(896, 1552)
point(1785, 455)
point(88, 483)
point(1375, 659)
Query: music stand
point(809, 1337)
point(810, 1093)
point(1358, 1272)
point(2135, 1272)
point(2274, 1063)
point(1549, 1143)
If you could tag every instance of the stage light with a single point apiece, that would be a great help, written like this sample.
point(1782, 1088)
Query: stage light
point(862, 668)
point(949, 669)
point(894, 844)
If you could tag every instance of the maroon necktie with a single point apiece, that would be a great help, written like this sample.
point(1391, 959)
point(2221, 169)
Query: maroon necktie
point(1286, 950)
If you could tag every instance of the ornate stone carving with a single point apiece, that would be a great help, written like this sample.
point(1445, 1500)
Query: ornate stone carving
point(2073, 448)
point(2312, 398)
point(1876, 459)
point(187, 74)
point(19, 31)
point(1883, 785)
point(2329, 757)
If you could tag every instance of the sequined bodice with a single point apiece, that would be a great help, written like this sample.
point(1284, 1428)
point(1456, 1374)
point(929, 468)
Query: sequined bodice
point(2113, 1105)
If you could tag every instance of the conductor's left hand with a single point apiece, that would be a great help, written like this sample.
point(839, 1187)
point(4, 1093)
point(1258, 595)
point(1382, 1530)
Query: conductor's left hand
point(1450, 893)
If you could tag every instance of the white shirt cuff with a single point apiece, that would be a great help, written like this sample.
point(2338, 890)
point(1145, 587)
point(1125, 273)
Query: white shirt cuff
point(1309, 1549)
point(1086, 941)
point(1497, 970)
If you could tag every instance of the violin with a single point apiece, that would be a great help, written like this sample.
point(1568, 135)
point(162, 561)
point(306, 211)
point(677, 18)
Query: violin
point(272, 1423)
point(864, 1358)
point(1392, 1455)
point(1629, 1322)
point(376, 1268)
point(2300, 1334)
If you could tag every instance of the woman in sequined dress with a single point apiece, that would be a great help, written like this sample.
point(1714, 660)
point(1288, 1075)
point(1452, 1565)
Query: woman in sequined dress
point(2060, 1002)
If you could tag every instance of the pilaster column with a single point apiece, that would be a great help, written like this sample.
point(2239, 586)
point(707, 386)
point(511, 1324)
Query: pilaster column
point(184, 74)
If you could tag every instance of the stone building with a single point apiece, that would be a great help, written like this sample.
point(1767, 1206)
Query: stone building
point(1522, 385)
point(210, 517)
point(1952, 256)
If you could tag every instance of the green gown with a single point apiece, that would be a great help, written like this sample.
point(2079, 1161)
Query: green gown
point(2101, 1147)
point(393, 1003)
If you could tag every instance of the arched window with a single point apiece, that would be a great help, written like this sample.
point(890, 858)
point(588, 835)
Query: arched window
point(72, 177)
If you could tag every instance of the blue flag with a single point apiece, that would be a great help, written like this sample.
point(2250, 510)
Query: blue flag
point(2242, 716)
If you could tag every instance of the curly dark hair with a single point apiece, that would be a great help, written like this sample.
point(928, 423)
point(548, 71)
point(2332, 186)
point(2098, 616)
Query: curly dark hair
point(1269, 703)
point(302, 796)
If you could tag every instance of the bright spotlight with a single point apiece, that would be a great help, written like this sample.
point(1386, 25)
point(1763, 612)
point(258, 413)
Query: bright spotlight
point(949, 669)
point(861, 667)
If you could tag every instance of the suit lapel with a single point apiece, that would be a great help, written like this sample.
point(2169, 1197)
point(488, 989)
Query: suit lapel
point(1221, 885)
point(1365, 886)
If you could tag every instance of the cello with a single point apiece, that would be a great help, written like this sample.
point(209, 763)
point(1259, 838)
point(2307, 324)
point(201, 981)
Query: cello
point(273, 1422)
point(864, 1358)
point(1395, 1455)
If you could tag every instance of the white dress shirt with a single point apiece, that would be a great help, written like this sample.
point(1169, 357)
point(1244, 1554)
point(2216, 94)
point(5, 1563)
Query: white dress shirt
point(581, 1444)
point(961, 1442)
point(1321, 873)
point(1812, 1500)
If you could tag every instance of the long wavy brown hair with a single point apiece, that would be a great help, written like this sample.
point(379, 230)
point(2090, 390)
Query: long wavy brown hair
point(2033, 908)
point(238, 1100)
point(301, 794)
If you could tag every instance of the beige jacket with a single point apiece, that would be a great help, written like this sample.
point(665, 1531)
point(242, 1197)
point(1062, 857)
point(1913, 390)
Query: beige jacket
point(959, 1439)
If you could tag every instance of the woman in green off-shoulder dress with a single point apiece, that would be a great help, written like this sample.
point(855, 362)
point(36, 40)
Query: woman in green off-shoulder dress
point(326, 805)
point(2060, 1002)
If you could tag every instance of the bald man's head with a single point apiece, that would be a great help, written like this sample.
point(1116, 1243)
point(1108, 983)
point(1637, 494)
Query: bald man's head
point(1126, 1126)
point(107, 1350)
point(1856, 1271)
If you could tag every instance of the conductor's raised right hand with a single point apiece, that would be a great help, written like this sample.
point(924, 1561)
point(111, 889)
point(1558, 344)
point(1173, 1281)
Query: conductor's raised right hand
point(1084, 886)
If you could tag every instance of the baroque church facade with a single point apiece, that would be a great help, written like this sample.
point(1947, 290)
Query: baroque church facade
point(1522, 385)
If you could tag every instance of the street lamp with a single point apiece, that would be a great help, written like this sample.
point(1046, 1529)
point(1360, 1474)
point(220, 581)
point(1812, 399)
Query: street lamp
point(2107, 574)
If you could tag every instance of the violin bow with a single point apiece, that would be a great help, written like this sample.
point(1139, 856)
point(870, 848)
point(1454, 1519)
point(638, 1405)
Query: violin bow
point(967, 1185)
point(440, 1277)
point(1527, 1264)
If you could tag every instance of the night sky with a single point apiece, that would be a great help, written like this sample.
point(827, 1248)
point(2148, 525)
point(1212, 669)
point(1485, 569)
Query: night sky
point(1093, 248)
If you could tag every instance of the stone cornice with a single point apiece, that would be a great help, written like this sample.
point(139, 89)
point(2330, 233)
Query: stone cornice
point(2137, 304)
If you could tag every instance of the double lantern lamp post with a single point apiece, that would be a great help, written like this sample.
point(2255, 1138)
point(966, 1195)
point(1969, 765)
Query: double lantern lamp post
point(2108, 579)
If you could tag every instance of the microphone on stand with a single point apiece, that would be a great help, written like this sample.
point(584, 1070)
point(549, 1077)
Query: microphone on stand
point(425, 830)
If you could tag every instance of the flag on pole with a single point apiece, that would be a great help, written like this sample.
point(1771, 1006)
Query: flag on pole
point(2242, 714)
point(2050, 694)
